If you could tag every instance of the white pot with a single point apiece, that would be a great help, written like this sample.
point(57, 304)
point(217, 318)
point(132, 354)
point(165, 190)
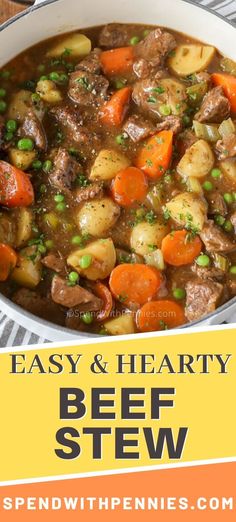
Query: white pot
point(54, 17)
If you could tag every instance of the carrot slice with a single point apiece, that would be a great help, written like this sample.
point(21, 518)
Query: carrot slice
point(155, 156)
point(135, 283)
point(104, 294)
point(8, 260)
point(117, 61)
point(179, 249)
point(129, 186)
point(160, 315)
point(228, 83)
point(114, 111)
point(16, 189)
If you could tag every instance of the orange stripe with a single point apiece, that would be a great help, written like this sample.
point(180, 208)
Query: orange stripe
point(205, 481)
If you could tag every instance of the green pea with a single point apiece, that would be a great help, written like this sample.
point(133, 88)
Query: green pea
point(25, 144)
point(41, 67)
point(8, 136)
point(77, 240)
point(87, 318)
point(165, 110)
point(208, 186)
point(120, 84)
point(134, 40)
point(186, 120)
point(37, 165)
point(42, 249)
point(216, 173)
point(61, 207)
point(42, 189)
point(103, 331)
point(63, 78)
point(47, 166)
point(220, 220)
point(3, 106)
point(3, 93)
point(73, 277)
point(85, 261)
point(11, 125)
point(120, 139)
point(179, 293)
point(49, 244)
point(140, 213)
point(228, 198)
point(43, 78)
point(146, 32)
point(203, 260)
point(35, 97)
point(233, 270)
point(54, 76)
point(5, 75)
point(228, 227)
point(59, 198)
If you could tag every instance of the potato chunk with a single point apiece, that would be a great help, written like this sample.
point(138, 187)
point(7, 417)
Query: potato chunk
point(197, 161)
point(102, 256)
point(28, 271)
point(77, 45)
point(97, 217)
point(121, 326)
point(7, 229)
point(189, 59)
point(107, 164)
point(24, 226)
point(146, 236)
point(228, 168)
point(20, 104)
point(48, 91)
point(22, 159)
point(189, 210)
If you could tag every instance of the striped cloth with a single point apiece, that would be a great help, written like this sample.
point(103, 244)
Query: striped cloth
point(11, 334)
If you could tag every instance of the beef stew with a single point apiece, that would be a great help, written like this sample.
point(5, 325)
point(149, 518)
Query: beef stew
point(118, 179)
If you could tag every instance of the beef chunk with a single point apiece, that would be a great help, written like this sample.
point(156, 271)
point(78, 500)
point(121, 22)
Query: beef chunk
point(38, 305)
point(138, 128)
point(95, 190)
point(233, 221)
point(203, 297)
point(186, 140)
point(113, 36)
point(173, 123)
point(55, 263)
point(156, 46)
point(73, 296)
point(91, 63)
point(231, 285)
point(208, 272)
point(87, 89)
point(74, 128)
point(217, 204)
point(72, 124)
point(215, 107)
point(215, 240)
point(33, 128)
point(226, 148)
point(64, 170)
point(203, 76)
point(142, 69)
point(143, 91)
